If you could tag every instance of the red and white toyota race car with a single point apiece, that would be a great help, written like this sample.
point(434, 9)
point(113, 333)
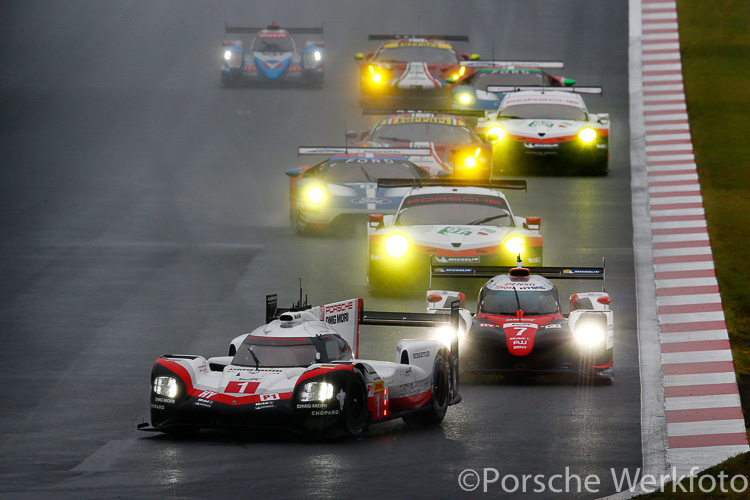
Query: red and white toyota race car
point(410, 68)
point(519, 325)
point(301, 371)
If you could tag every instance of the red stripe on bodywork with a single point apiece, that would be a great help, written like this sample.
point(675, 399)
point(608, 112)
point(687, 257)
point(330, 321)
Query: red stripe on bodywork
point(322, 371)
point(410, 402)
point(181, 372)
point(732, 438)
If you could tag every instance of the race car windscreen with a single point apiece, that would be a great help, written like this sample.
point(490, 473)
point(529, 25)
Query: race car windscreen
point(505, 77)
point(456, 209)
point(350, 170)
point(507, 302)
point(272, 45)
point(279, 352)
point(421, 132)
point(417, 53)
point(543, 112)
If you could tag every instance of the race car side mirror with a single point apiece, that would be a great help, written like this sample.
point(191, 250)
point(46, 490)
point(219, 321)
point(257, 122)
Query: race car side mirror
point(569, 82)
point(352, 135)
point(359, 56)
point(294, 172)
point(607, 300)
point(376, 220)
point(533, 223)
point(450, 79)
point(474, 57)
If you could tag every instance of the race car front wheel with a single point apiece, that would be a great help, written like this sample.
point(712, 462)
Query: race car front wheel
point(355, 406)
point(439, 400)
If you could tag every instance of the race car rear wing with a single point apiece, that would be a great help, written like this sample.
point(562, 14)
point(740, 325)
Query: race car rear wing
point(440, 270)
point(291, 31)
point(447, 38)
point(477, 113)
point(576, 90)
point(515, 184)
point(513, 64)
point(345, 150)
point(345, 317)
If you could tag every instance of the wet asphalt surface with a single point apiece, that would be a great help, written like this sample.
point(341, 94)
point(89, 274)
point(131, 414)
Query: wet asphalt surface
point(144, 210)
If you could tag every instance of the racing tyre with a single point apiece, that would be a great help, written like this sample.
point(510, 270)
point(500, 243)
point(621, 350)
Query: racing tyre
point(355, 406)
point(439, 400)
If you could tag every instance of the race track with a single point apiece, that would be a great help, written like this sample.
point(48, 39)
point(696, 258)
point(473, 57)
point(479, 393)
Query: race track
point(144, 210)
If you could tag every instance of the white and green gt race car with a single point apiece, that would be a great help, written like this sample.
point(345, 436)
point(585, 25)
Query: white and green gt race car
point(448, 222)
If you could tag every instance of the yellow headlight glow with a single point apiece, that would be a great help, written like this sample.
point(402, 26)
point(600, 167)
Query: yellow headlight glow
point(499, 132)
point(375, 76)
point(587, 134)
point(396, 245)
point(462, 71)
point(315, 195)
point(465, 98)
point(470, 162)
point(514, 245)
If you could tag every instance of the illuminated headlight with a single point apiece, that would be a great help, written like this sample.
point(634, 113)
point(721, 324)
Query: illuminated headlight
point(315, 195)
point(227, 55)
point(165, 386)
point(465, 98)
point(470, 162)
point(396, 245)
point(446, 334)
point(589, 335)
point(587, 134)
point(312, 59)
point(497, 131)
point(317, 55)
point(375, 76)
point(514, 245)
point(316, 391)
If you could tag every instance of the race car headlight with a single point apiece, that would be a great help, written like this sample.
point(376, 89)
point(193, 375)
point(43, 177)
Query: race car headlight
point(316, 391)
point(465, 98)
point(470, 162)
point(446, 334)
point(396, 245)
point(165, 386)
point(514, 245)
point(317, 55)
point(375, 76)
point(496, 132)
point(589, 335)
point(587, 134)
point(227, 55)
point(315, 195)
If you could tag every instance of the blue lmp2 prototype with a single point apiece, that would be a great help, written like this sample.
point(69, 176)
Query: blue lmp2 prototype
point(272, 56)
point(344, 187)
